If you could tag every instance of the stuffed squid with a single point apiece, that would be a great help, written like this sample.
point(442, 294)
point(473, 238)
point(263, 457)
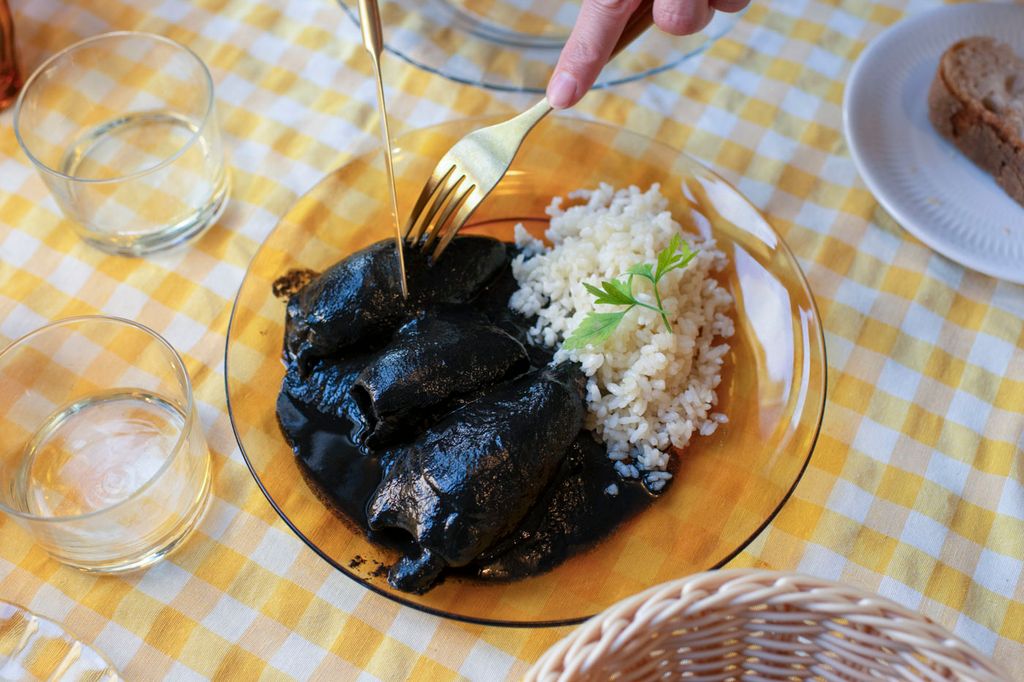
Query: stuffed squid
point(326, 386)
point(586, 499)
point(432, 359)
point(467, 481)
point(359, 299)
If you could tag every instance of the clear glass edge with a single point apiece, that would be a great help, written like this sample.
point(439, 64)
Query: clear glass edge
point(598, 85)
point(67, 631)
point(210, 107)
point(178, 445)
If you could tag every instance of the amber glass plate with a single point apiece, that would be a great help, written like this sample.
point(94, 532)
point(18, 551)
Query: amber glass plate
point(728, 486)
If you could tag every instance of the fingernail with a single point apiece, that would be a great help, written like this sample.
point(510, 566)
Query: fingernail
point(562, 90)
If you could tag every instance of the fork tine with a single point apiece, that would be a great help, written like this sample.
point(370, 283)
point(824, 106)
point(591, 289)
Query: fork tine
point(439, 226)
point(431, 186)
point(443, 199)
point(460, 219)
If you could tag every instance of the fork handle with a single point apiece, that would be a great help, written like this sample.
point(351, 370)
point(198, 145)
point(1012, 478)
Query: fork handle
point(639, 21)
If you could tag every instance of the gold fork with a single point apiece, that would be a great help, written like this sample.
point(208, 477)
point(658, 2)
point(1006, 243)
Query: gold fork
point(472, 168)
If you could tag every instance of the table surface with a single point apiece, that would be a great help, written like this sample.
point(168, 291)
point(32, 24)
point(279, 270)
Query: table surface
point(915, 490)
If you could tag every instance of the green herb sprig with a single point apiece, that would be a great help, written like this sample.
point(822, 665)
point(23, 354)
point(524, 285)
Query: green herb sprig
point(596, 328)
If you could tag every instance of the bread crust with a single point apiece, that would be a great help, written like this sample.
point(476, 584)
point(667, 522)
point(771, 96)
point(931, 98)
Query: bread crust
point(991, 141)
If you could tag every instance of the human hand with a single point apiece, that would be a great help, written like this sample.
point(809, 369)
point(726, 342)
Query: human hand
point(598, 28)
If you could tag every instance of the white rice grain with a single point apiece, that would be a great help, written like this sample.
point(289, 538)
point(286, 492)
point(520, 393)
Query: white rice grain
point(648, 390)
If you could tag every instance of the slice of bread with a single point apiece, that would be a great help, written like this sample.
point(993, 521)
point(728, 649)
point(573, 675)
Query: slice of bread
point(977, 102)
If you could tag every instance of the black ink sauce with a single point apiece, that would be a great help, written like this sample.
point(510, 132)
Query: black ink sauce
point(583, 503)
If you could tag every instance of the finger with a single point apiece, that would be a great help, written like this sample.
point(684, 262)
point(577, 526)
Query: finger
point(590, 44)
point(729, 5)
point(682, 17)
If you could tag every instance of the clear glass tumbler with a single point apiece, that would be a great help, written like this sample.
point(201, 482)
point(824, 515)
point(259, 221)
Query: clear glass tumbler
point(102, 459)
point(122, 127)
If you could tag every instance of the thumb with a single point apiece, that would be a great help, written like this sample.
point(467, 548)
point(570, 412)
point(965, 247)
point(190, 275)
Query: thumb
point(590, 44)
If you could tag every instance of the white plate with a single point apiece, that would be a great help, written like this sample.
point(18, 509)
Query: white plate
point(922, 180)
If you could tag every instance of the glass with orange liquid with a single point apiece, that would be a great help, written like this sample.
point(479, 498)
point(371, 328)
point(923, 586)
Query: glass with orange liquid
point(10, 76)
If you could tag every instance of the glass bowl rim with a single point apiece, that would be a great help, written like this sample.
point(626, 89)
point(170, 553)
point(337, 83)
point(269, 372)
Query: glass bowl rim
point(598, 85)
point(179, 368)
point(818, 340)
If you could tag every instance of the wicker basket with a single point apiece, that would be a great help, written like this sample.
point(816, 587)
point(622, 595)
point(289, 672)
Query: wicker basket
point(761, 625)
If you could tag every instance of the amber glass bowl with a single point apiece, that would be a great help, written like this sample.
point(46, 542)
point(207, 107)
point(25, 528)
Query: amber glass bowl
point(728, 486)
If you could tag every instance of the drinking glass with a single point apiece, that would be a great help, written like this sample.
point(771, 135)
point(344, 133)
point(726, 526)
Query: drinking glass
point(102, 460)
point(122, 127)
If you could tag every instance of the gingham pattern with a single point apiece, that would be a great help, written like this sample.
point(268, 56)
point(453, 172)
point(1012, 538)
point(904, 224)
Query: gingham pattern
point(33, 648)
point(916, 489)
point(530, 17)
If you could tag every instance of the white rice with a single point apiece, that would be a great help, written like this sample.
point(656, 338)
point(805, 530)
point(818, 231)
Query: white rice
point(648, 391)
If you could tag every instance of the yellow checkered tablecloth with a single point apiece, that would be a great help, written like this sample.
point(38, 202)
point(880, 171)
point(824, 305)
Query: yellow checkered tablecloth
point(916, 489)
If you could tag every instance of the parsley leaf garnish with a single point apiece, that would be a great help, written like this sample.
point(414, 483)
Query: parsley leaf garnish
point(596, 328)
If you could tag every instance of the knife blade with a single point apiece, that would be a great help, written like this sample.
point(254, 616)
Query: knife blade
point(373, 42)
